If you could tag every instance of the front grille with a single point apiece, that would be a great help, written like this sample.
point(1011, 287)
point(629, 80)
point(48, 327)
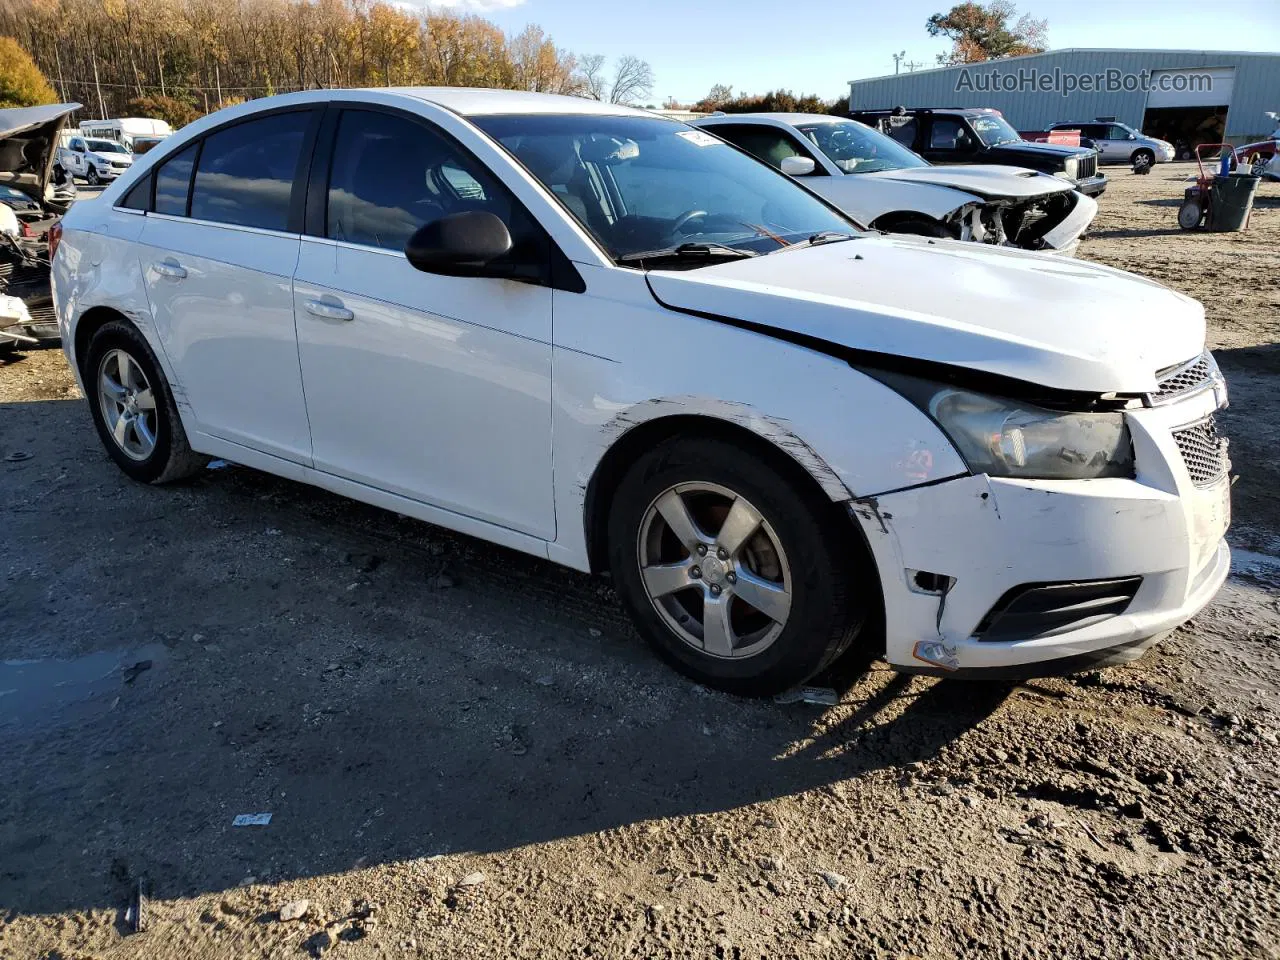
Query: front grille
point(119, 164)
point(1044, 609)
point(1204, 451)
point(1087, 167)
point(1190, 377)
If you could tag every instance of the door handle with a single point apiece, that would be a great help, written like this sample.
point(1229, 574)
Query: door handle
point(170, 268)
point(329, 311)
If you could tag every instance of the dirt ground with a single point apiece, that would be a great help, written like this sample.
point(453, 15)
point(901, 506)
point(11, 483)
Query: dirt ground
point(466, 752)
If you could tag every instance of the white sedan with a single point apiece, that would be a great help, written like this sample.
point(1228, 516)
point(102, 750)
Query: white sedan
point(881, 183)
point(616, 342)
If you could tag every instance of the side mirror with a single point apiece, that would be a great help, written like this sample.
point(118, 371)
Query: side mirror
point(798, 166)
point(1133, 136)
point(459, 245)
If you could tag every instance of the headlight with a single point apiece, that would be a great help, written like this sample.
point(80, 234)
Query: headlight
point(1010, 438)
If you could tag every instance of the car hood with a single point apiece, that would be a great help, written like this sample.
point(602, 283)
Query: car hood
point(126, 158)
point(1047, 150)
point(1061, 324)
point(28, 143)
point(985, 180)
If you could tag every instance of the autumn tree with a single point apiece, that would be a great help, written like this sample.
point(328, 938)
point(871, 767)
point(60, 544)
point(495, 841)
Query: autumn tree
point(21, 82)
point(185, 56)
point(174, 112)
point(989, 32)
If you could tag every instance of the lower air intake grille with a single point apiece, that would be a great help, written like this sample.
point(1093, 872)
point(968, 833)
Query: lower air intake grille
point(1043, 609)
point(1204, 451)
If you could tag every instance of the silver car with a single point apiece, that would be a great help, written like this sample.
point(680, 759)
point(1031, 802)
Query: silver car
point(1119, 143)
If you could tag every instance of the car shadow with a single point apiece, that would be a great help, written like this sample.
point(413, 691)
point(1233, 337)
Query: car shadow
point(385, 690)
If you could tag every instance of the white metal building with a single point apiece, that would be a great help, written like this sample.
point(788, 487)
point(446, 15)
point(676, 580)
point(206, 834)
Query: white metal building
point(1174, 94)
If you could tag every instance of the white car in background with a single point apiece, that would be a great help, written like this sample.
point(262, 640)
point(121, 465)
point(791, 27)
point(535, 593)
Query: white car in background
point(95, 161)
point(886, 186)
point(613, 341)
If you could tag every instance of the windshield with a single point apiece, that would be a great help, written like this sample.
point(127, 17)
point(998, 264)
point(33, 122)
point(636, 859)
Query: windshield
point(641, 184)
point(106, 146)
point(993, 130)
point(856, 148)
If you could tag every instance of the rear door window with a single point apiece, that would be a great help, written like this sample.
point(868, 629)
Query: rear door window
point(246, 172)
point(767, 143)
point(173, 182)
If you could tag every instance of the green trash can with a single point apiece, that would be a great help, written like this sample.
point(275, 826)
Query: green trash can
point(1232, 199)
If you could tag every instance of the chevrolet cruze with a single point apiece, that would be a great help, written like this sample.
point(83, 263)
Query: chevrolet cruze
point(615, 341)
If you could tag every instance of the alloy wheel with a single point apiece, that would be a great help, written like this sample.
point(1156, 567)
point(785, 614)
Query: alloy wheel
point(128, 404)
point(726, 593)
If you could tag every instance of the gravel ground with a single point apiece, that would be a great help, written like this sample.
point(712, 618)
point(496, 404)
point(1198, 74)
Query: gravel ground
point(466, 752)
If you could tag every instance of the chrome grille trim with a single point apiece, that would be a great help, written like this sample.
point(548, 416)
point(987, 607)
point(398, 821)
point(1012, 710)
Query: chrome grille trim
point(1173, 383)
point(1086, 167)
point(1204, 451)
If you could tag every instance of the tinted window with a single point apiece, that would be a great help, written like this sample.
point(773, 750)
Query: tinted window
point(903, 131)
point(173, 180)
point(139, 195)
point(245, 176)
point(947, 135)
point(770, 144)
point(858, 149)
point(391, 175)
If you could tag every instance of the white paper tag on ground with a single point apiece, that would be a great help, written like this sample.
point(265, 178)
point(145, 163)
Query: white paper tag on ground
point(251, 820)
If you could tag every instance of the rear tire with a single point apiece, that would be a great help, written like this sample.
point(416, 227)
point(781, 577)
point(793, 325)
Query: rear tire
point(799, 561)
point(133, 409)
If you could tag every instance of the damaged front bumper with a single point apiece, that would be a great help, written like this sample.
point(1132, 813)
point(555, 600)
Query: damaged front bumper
point(995, 575)
point(1029, 225)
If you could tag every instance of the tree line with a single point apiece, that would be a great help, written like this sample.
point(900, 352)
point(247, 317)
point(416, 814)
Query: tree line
point(178, 59)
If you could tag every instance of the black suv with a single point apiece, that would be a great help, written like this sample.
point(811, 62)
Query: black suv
point(982, 135)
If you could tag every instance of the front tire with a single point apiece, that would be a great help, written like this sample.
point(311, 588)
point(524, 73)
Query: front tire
point(920, 227)
point(736, 576)
point(1143, 155)
point(133, 408)
point(92, 176)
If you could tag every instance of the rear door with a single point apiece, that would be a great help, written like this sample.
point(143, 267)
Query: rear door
point(218, 253)
point(436, 388)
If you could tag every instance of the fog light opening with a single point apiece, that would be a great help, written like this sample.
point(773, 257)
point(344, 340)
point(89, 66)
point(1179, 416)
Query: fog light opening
point(925, 581)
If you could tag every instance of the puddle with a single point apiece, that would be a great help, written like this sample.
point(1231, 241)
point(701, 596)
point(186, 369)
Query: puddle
point(38, 692)
point(1258, 567)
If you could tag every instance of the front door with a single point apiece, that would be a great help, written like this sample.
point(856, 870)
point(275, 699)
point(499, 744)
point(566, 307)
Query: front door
point(217, 254)
point(951, 141)
point(435, 388)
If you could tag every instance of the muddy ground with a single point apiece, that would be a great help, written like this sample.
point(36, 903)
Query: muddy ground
point(465, 752)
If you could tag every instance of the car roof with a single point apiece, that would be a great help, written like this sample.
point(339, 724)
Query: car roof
point(792, 118)
point(478, 101)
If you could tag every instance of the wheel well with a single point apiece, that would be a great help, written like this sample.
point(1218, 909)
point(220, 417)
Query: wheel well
point(619, 458)
point(93, 320)
point(889, 221)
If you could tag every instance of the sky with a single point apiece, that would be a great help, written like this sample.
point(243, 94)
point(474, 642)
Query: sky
point(759, 45)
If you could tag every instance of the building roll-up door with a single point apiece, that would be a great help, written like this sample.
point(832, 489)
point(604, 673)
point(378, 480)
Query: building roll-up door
point(1192, 87)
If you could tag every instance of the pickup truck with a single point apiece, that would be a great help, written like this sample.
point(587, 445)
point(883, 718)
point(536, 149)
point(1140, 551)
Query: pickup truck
point(97, 161)
point(982, 135)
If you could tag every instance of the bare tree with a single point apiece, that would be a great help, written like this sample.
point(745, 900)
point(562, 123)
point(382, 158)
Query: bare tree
point(591, 76)
point(632, 81)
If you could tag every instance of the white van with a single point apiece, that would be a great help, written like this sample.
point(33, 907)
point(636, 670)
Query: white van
point(124, 129)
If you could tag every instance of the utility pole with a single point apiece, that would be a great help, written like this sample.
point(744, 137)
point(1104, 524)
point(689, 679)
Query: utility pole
point(897, 61)
point(102, 107)
point(217, 79)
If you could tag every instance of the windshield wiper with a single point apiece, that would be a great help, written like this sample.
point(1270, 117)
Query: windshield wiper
point(818, 239)
point(689, 253)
